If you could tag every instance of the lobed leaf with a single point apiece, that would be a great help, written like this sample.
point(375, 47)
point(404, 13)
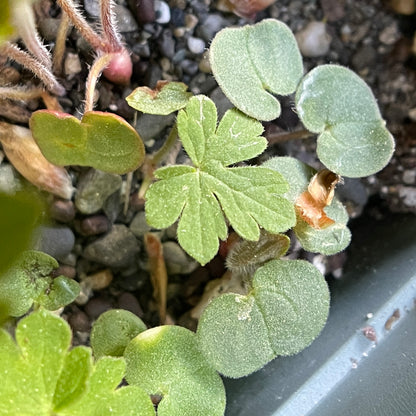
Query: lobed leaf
point(336, 103)
point(282, 314)
point(254, 62)
point(101, 140)
point(29, 280)
point(165, 361)
point(41, 376)
point(328, 241)
point(166, 98)
point(113, 330)
point(249, 196)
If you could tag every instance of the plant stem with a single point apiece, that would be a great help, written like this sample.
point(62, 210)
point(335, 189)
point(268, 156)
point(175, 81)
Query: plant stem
point(97, 68)
point(24, 20)
point(16, 93)
point(59, 51)
point(151, 162)
point(12, 51)
point(74, 15)
point(109, 26)
point(274, 138)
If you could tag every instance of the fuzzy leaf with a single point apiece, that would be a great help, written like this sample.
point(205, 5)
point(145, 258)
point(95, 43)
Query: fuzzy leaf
point(113, 330)
point(282, 314)
point(166, 361)
point(328, 241)
point(42, 377)
point(254, 62)
point(336, 103)
point(19, 215)
point(249, 196)
point(101, 140)
point(166, 98)
point(29, 280)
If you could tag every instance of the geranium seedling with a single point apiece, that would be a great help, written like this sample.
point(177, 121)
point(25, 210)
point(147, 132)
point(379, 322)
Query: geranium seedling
point(104, 141)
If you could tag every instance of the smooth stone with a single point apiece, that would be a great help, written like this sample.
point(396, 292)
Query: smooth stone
point(92, 7)
point(210, 26)
point(167, 44)
point(162, 12)
point(125, 19)
point(150, 126)
point(221, 101)
point(55, 240)
point(94, 188)
point(62, 210)
point(9, 182)
point(118, 248)
point(139, 226)
point(177, 261)
point(196, 45)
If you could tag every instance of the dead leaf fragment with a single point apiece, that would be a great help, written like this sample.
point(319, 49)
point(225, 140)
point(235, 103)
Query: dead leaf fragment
point(320, 193)
point(158, 274)
point(24, 154)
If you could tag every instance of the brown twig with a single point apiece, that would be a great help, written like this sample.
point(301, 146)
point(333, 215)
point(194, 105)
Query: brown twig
point(274, 137)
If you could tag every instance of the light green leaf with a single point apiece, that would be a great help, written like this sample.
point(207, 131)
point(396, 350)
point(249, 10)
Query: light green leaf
point(254, 62)
point(166, 361)
point(338, 104)
point(249, 196)
point(101, 140)
point(29, 280)
point(19, 215)
point(113, 330)
point(328, 241)
point(166, 98)
point(41, 377)
point(282, 314)
point(6, 27)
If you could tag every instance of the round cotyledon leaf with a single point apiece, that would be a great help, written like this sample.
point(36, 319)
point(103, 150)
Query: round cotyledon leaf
point(336, 103)
point(254, 62)
point(282, 314)
point(165, 361)
point(101, 140)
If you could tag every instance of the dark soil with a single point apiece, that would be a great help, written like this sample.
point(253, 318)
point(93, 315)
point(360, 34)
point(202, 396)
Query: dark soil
point(367, 37)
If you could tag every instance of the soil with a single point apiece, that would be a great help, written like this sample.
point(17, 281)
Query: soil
point(368, 37)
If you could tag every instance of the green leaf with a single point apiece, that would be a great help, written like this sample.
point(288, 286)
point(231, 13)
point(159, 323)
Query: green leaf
point(6, 27)
point(249, 196)
point(166, 98)
point(283, 313)
point(41, 377)
point(113, 330)
point(29, 280)
point(101, 140)
point(19, 215)
point(328, 241)
point(254, 62)
point(165, 361)
point(338, 104)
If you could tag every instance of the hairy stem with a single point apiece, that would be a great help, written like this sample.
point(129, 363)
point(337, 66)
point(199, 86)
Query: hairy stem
point(108, 22)
point(82, 25)
point(274, 138)
point(24, 20)
point(95, 72)
point(20, 93)
point(59, 51)
point(12, 51)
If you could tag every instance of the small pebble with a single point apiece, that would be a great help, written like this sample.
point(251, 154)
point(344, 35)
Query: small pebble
point(139, 226)
point(65, 270)
point(162, 12)
point(196, 45)
point(130, 303)
point(55, 240)
point(313, 40)
point(79, 321)
point(96, 306)
point(143, 10)
point(125, 20)
point(94, 225)
point(72, 65)
point(177, 261)
point(99, 280)
point(409, 177)
point(62, 210)
point(191, 21)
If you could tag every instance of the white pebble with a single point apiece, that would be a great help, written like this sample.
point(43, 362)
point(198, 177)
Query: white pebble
point(162, 10)
point(196, 45)
point(313, 40)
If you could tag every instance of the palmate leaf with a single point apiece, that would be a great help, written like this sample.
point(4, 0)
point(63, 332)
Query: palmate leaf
point(249, 196)
point(42, 377)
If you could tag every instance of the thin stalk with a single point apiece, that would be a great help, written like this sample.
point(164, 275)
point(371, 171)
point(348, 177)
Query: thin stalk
point(95, 72)
point(274, 138)
point(20, 93)
point(59, 51)
point(151, 162)
point(24, 20)
point(109, 27)
point(12, 51)
point(75, 16)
